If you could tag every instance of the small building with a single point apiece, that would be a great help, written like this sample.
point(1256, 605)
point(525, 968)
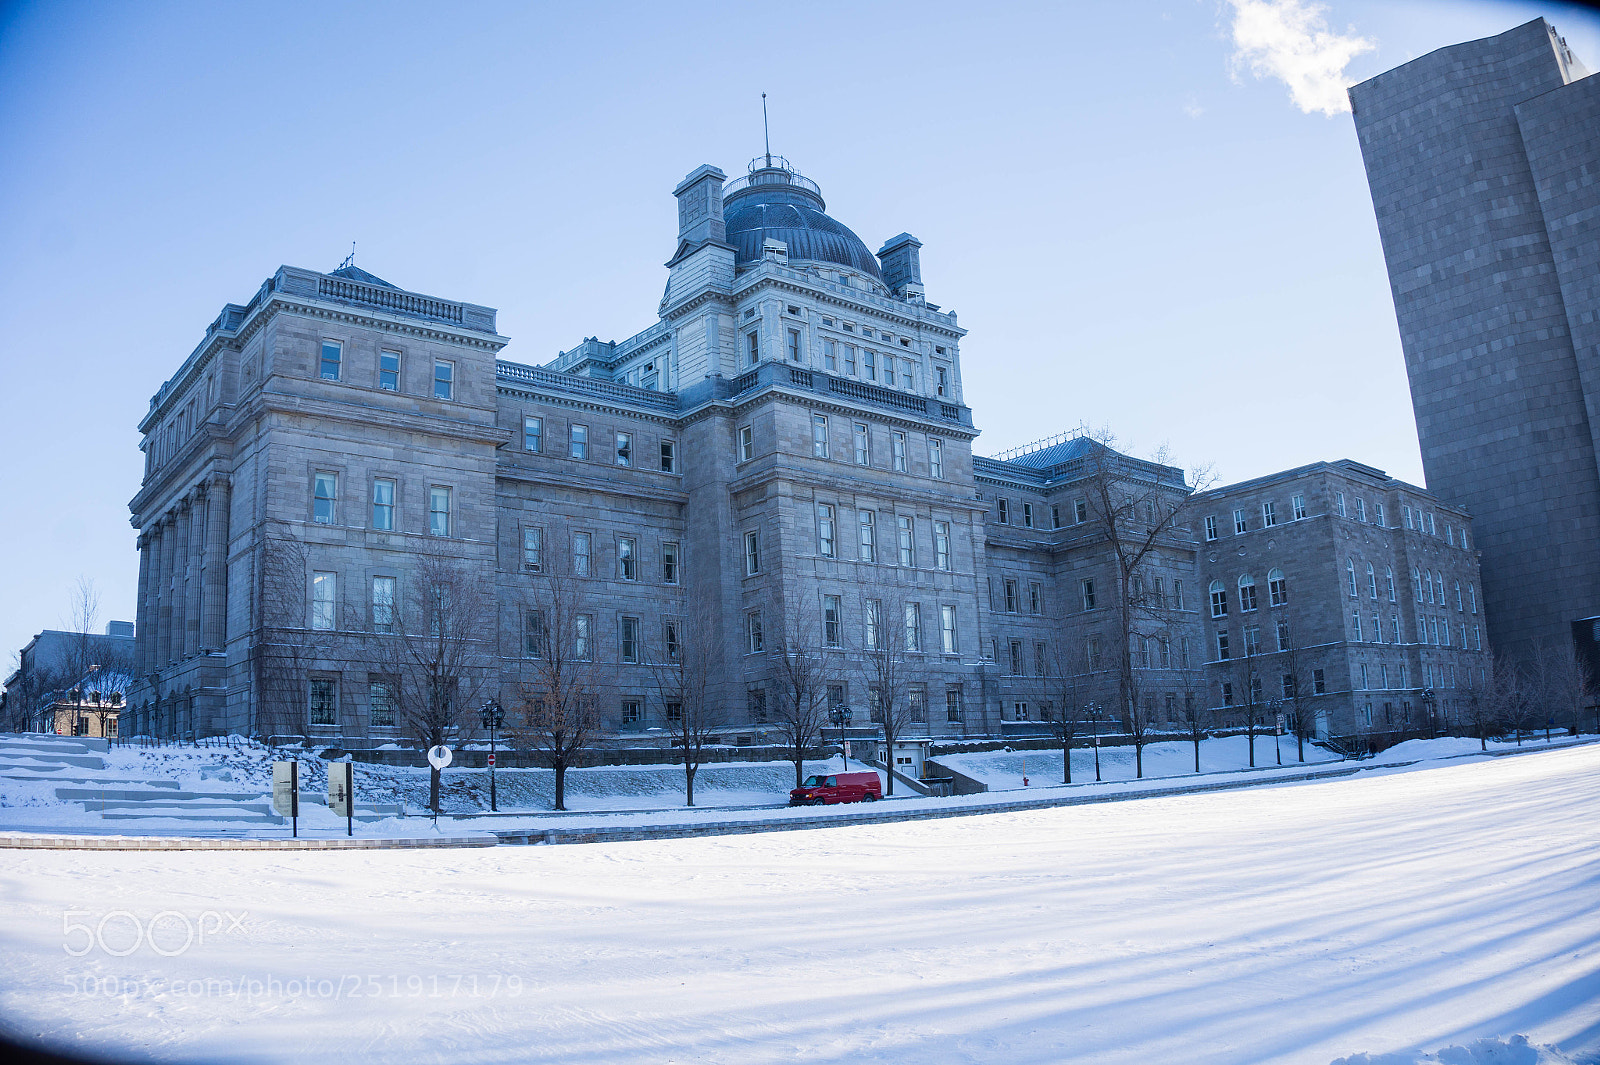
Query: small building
point(90, 707)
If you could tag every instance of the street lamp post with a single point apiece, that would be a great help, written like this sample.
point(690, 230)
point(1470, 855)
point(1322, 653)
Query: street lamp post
point(1094, 710)
point(840, 716)
point(493, 718)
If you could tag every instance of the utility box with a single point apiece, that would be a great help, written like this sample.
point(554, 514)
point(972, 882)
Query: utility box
point(910, 757)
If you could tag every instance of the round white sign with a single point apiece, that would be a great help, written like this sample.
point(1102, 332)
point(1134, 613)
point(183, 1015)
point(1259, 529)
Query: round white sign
point(439, 756)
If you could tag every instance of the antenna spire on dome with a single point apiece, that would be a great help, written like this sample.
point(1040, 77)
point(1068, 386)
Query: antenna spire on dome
point(766, 131)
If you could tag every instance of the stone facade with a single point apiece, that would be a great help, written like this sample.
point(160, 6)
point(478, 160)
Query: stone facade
point(1481, 159)
point(1339, 591)
point(782, 458)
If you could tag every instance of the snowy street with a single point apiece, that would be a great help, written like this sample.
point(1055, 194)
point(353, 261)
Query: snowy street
point(1394, 911)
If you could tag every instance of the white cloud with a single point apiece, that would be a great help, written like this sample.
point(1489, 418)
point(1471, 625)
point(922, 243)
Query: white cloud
point(1290, 40)
point(1192, 108)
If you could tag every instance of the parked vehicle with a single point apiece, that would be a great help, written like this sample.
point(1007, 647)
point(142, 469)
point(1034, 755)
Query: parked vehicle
point(837, 787)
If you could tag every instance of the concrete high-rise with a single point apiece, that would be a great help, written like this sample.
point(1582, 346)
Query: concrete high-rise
point(1484, 164)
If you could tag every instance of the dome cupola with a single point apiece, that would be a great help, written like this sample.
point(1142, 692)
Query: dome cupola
point(776, 202)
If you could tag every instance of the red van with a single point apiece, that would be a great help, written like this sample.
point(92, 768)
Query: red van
point(837, 787)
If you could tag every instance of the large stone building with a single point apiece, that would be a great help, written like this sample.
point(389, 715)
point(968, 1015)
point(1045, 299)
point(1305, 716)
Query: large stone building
point(1482, 160)
point(783, 459)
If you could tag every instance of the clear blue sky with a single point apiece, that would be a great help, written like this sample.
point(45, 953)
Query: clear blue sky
point(1137, 221)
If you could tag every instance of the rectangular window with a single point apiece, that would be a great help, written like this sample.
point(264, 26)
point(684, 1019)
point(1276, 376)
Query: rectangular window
point(850, 359)
point(819, 436)
point(1080, 511)
point(757, 705)
point(828, 355)
point(1055, 515)
point(908, 547)
point(1355, 623)
point(825, 530)
point(389, 370)
point(630, 639)
point(1018, 667)
point(324, 709)
point(324, 587)
point(1338, 503)
point(533, 633)
point(533, 549)
point(935, 458)
point(755, 641)
point(872, 619)
point(1405, 511)
point(863, 446)
point(897, 447)
point(1211, 527)
point(1177, 594)
point(914, 627)
point(1222, 647)
point(869, 364)
point(669, 563)
point(582, 636)
point(627, 558)
point(941, 545)
point(632, 712)
point(1319, 684)
point(670, 638)
point(952, 704)
point(579, 441)
point(383, 604)
point(794, 345)
point(380, 702)
point(439, 511)
point(1239, 523)
point(1283, 635)
point(1299, 504)
point(1035, 597)
point(747, 443)
point(1183, 652)
point(1252, 639)
point(1092, 653)
point(532, 434)
point(832, 621)
point(1361, 510)
point(947, 630)
point(624, 453)
point(752, 347)
point(1269, 515)
point(1027, 515)
point(1219, 600)
point(1377, 514)
point(444, 379)
point(888, 370)
point(752, 553)
point(1088, 594)
point(1002, 511)
point(325, 494)
point(669, 457)
point(1011, 596)
point(332, 353)
point(582, 554)
point(383, 505)
point(868, 538)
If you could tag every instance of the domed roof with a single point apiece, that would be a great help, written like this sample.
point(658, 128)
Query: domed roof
point(774, 202)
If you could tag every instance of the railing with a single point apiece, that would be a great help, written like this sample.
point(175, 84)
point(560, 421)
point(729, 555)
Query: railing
point(745, 382)
point(874, 394)
point(800, 377)
point(591, 386)
point(391, 299)
point(951, 411)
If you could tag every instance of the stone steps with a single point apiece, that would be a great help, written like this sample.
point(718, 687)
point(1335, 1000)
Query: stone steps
point(20, 760)
point(64, 744)
point(162, 795)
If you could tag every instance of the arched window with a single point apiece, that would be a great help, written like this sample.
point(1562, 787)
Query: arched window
point(1438, 581)
point(1219, 599)
point(1372, 581)
point(1459, 606)
point(1427, 579)
point(1247, 593)
point(1350, 572)
point(1416, 583)
point(1277, 588)
point(1388, 580)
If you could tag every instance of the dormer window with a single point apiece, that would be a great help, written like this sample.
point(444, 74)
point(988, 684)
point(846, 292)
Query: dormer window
point(849, 328)
point(794, 310)
point(827, 321)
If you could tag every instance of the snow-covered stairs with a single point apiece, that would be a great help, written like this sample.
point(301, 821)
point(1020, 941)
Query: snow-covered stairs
point(23, 753)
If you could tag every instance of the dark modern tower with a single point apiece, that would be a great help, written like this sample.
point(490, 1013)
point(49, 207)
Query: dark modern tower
point(1484, 164)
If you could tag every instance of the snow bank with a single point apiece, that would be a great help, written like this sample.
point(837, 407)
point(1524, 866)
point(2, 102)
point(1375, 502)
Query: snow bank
point(1516, 1051)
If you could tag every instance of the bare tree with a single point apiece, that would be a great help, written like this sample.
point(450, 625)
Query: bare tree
point(287, 643)
point(804, 673)
point(1247, 676)
point(1192, 683)
point(683, 667)
point(1482, 711)
point(438, 660)
point(1061, 683)
point(83, 617)
point(1510, 697)
point(559, 695)
point(1561, 680)
point(1140, 509)
point(891, 639)
point(1296, 665)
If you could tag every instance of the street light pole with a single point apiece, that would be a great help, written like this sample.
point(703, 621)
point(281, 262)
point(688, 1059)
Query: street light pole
point(840, 716)
point(1094, 719)
point(493, 718)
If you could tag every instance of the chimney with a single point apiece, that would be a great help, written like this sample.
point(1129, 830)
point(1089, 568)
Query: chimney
point(902, 264)
point(700, 208)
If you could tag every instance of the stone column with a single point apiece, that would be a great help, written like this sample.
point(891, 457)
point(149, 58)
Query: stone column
point(162, 636)
point(192, 560)
point(180, 565)
point(214, 601)
point(141, 640)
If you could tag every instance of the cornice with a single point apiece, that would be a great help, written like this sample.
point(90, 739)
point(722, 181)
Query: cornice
point(811, 399)
point(754, 278)
point(588, 403)
point(602, 486)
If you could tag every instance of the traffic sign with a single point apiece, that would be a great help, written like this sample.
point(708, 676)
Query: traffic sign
point(491, 759)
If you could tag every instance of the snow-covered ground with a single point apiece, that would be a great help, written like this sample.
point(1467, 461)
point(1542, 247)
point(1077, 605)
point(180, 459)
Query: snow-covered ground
point(1390, 913)
point(1004, 770)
